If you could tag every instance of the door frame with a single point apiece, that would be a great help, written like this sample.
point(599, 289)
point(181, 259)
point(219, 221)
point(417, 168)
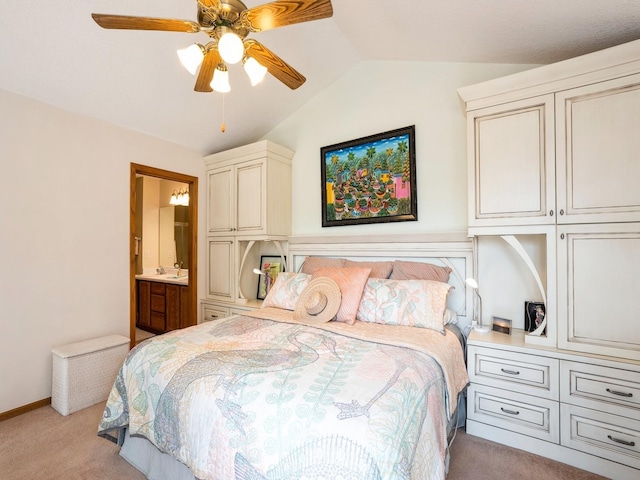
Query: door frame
point(192, 264)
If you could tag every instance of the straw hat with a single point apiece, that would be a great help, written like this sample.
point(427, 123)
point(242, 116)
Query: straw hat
point(319, 301)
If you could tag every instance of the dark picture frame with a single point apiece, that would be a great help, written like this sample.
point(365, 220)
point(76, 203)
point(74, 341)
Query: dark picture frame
point(370, 180)
point(271, 266)
point(534, 316)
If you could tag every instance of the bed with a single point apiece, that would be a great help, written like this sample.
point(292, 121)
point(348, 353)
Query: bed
point(279, 394)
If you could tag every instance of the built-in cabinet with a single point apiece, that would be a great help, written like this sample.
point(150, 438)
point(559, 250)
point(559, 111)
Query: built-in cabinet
point(577, 409)
point(162, 307)
point(555, 152)
point(248, 215)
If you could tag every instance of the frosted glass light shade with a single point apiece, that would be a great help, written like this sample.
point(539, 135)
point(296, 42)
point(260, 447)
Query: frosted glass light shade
point(231, 48)
point(191, 57)
point(255, 71)
point(220, 82)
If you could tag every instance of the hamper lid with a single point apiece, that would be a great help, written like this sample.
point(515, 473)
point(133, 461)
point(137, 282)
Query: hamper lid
point(89, 346)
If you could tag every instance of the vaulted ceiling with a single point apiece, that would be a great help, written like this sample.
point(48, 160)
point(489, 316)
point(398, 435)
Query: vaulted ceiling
point(54, 52)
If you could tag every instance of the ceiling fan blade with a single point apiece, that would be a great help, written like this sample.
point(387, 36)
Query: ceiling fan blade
point(125, 22)
point(287, 12)
point(205, 75)
point(275, 65)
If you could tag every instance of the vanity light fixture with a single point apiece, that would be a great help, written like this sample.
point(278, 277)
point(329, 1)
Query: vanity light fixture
point(180, 197)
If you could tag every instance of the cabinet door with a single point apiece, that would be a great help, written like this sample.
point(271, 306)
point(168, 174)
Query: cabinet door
point(511, 163)
point(221, 271)
point(144, 303)
point(172, 307)
point(598, 152)
point(221, 207)
point(598, 277)
point(250, 197)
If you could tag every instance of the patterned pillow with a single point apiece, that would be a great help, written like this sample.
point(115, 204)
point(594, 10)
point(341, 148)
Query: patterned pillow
point(412, 303)
point(351, 282)
point(403, 270)
point(286, 289)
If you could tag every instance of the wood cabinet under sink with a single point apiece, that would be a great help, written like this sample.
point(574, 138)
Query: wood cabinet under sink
point(162, 307)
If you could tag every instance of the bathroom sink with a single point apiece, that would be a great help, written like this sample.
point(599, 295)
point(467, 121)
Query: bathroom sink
point(173, 277)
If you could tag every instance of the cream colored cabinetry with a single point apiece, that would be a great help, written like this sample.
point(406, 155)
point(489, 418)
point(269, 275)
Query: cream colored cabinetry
point(579, 409)
point(598, 278)
point(512, 163)
point(598, 152)
point(571, 130)
point(248, 215)
point(568, 157)
point(216, 311)
point(249, 190)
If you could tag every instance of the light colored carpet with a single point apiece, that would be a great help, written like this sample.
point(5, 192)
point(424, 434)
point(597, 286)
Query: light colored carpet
point(44, 445)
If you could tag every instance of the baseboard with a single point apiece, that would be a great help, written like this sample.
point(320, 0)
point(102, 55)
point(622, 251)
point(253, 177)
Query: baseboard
point(556, 452)
point(24, 409)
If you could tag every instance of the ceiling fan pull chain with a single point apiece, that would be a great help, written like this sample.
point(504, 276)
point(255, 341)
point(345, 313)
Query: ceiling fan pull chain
point(223, 127)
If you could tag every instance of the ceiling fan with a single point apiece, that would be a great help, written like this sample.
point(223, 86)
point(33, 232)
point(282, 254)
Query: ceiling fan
point(228, 23)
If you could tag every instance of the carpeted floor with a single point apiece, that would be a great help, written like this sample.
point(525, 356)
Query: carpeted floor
point(44, 445)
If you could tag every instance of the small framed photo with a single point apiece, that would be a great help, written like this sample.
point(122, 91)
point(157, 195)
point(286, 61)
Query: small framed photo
point(270, 266)
point(534, 315)
point(502, 325)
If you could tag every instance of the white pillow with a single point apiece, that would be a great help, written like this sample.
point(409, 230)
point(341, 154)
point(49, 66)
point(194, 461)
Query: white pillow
point(286, 289)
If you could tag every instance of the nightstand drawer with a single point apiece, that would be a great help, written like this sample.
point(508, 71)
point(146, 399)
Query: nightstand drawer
point(608, 436)
point(523, 373)
point(536, 417)
point(211, 312)
point(601, 388)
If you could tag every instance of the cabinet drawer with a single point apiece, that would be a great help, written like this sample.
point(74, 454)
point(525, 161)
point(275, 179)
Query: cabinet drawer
point(533, 416)
point(158, 288)
point(601, 388)
point(519, 372)
point(608, 436)
point(157, 303)
point(214, 312)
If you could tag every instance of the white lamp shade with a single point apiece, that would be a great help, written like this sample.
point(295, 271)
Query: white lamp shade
point(231, 48)
point(220, 82)
point(472, 283)
point(191, 57)
point(255, 71)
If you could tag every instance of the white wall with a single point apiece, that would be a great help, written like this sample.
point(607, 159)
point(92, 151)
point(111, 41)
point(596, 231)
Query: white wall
point(378, 96)
point(375, 97)
point(64, 240)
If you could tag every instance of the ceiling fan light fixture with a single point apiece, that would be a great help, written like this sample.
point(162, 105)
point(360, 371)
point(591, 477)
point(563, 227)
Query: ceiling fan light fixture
point(231, 48)
point(220, 82)
point(254, 69)
point(191, 57)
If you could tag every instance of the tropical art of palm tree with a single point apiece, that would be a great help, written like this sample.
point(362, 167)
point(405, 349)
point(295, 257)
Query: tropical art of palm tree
point(369, 180)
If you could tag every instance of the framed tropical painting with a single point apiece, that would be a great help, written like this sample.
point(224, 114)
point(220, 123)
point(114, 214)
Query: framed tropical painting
point(370, 180)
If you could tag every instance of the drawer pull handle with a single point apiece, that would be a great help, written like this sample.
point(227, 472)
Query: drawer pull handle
point(510, 412)
point(623, 442)
point(621, 394)
point(510, 372)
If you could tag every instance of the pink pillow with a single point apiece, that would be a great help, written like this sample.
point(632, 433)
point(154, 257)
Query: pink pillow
point(378, 269)
point(403, 270)
point(311, 264)
point(351, 282)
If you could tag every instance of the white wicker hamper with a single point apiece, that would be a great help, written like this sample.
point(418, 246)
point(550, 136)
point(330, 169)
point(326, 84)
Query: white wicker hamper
point(84, 372)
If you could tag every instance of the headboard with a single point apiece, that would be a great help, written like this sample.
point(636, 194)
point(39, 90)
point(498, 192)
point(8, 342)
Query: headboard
point(454, 250)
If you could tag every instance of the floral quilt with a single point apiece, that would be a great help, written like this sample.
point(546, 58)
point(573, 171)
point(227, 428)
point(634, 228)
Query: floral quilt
point(254, 398)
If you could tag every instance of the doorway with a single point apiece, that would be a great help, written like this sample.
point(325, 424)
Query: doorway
point(191, 242)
